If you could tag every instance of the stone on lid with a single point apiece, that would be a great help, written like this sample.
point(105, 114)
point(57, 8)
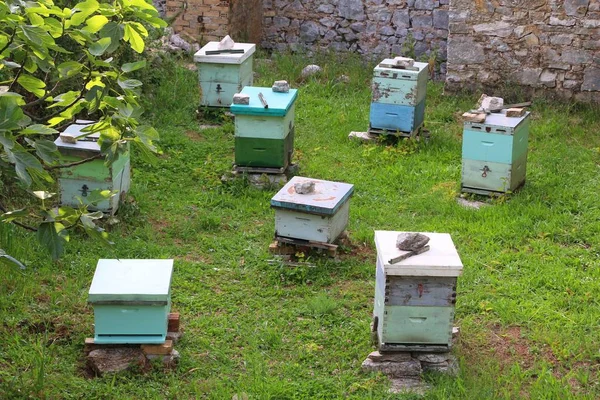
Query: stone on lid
point(304, 187)
point(281, 87)
point(226, 43)
point(240, 98)
point(411, 241)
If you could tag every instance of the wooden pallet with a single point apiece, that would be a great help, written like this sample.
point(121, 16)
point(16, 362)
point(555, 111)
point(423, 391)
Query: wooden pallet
point(257, 170)
point(289, 246)
point(416, 132)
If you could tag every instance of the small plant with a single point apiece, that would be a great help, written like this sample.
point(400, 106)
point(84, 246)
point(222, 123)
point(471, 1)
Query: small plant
point(321, 305)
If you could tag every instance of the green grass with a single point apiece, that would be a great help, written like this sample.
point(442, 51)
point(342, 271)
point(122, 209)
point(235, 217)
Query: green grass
point(528, 303)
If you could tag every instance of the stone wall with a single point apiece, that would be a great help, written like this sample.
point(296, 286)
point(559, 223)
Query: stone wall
point(543, 45)
point(370, 27)
point(207, 20)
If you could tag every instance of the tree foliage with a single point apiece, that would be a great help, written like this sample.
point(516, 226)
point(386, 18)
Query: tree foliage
point(58, 64)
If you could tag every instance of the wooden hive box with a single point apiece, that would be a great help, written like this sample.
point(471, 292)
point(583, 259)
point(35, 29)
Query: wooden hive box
point(494, 154)
point(76, 182)
point(264, 137)
point(223, 75)
point(398, 102)
point(415, 298)
point(320, 216)
point(131, 301)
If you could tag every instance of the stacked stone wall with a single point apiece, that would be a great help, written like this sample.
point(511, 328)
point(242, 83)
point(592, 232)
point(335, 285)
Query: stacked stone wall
point(370, 27)
point(550, 46)
point(209, 20)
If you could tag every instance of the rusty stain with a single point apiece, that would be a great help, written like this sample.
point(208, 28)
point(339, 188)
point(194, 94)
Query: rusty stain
point(420, 290)
point(376, 93)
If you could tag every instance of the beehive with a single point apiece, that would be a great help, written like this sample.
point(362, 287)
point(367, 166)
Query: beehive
point(131, 300)
point(494, 154)
point(415, 298)
point(264, 137)
point(398, 102)
point(76, 182)
point(225, 74)
point(320, 216)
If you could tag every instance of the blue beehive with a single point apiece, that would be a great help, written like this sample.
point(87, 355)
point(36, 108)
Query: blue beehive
point(398, 103)
point(131, 300)
point(264, 137)
point(494, 154)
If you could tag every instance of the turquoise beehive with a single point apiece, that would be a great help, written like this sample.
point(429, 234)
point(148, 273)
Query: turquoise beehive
point(399, 95)
point(223, 73)
point(494, 154)
point(415, 298)
point(264, 137)
point(131, 300)
point(76, 182)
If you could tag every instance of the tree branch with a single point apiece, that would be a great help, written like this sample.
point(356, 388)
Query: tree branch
point(9, 40)
point(85, 160)
point(29, 228)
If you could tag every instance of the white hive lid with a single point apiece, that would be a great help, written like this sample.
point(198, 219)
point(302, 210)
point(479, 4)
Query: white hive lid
point(225, 58)
point(131, 281)
point(382, 66)
point(72, 132)
point(326, 198)
point(442, 259)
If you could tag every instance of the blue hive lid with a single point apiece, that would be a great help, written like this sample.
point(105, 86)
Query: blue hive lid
point(131, 281)
point(326, 198)
point(279, 103)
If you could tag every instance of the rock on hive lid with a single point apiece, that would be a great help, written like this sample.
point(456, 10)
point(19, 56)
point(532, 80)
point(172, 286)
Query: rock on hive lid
point(326, 198)
point(131, 281)
point(225, 57)
point(442, 259)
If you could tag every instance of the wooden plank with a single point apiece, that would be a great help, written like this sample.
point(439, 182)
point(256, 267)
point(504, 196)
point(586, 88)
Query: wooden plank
point(307, 243)
point(420, 291)
point(158, 349)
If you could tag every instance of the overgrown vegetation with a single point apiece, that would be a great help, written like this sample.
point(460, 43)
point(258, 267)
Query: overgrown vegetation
point(59, 62)
point(527, 306)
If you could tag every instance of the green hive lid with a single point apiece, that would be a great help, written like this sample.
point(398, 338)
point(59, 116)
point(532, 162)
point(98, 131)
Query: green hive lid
point(279, 103)
point(131, 281)
point(442, 259)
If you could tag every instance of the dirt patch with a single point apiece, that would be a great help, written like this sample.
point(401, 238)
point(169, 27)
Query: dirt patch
point(194, 136)
point(196, 258)
point(159, 225)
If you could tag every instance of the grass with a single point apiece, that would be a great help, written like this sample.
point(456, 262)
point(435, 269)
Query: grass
point(528, 303)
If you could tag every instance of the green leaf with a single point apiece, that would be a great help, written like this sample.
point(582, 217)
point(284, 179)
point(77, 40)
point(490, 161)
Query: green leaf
point(64, 99)
point(38, 129)
point(23, 161)
point(69, 69)
point(97, 196)
point(94, 231)
point(54, 27)
point(32, 84)
point(98, 48)
point(144, 152)
point(133, 37)
point(46, 150)
point(11, 115)
point(113, 31)
point(48, 237)
point(129, 83)
point(12, 215)
point(134, 66)
point(95, 23)
point(37, 35)
point(10, 64)
point(6, 259)
point(82, 11)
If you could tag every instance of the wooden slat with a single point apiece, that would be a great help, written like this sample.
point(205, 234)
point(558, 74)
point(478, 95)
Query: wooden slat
point(158, 349)
point(173, 324)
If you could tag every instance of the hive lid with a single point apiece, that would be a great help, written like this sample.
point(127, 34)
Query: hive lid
point(224, 58)
point(326, 198)
point(501, 120)
point(73, 131)
point(131, 281)
point(399, 73)
point(442, 259)
point(279, 103)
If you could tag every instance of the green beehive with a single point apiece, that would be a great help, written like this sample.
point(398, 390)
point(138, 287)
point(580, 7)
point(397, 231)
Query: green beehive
point(264, 136)
point(131, 300)
point(494, 154)
point(76, 182)
point(415, 297)
point(223, 73)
